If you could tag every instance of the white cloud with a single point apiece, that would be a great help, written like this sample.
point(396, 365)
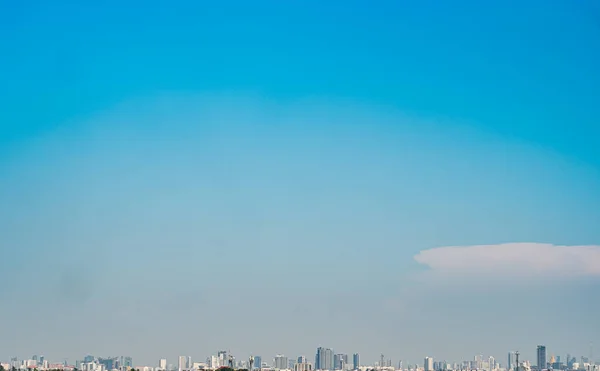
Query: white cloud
point(521, 259)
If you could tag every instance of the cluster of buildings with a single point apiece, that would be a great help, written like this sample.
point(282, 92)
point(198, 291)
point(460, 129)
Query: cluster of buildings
point(325, 360)
point(89, 363)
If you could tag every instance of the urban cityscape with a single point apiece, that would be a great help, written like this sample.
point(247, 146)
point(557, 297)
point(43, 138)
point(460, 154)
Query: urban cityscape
point(325, 359)
point(311, 185)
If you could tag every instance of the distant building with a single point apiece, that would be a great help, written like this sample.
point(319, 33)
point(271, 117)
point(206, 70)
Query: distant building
point(428, 364)
point(340, 361)
point(109, 363)
point(126, 362)
point(324, 359)
point(511, 361)
point(355, 361)
point(280, 362)
point(162, 363)
point(303, 367)
point(182, 364)
point(541, 357)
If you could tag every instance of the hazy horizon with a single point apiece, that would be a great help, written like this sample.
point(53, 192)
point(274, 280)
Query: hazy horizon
point(412, 179)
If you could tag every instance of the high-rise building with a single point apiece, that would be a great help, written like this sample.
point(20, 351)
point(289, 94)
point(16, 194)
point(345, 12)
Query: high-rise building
point(109, 363)
point(182, 364)
point(280, 362)
point(162, 363)
point(511, 361)
point(340, 361)
point(428, 364)
point(127, 362)
point(541, 357)
point(214, 362)
point(257, 362)
point(355, 361)
point(324, 359)
point(302, 359)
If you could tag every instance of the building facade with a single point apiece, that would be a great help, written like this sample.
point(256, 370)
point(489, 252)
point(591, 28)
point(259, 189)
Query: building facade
point(541, 357)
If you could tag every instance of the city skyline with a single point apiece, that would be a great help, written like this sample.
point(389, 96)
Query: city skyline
point(415, 178)
point(326, 356)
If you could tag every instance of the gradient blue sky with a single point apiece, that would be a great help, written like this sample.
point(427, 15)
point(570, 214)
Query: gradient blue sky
point(180, 177)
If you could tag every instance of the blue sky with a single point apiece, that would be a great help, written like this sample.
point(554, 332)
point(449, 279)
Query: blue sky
point(294, 159)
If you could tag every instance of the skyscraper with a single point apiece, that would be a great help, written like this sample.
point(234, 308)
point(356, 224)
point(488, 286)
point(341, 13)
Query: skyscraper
point(182, 363)
point(428, 364)
point(511, 361)
point(541, 357)
point(355, 361)
point(281, 362)
point(162, 363)
point(340, 361)
point(324, 359)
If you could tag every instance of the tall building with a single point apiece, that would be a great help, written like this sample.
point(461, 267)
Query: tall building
point(541, 357)
point(324, 359)
point(182, 364)
point(302, 359)
point(340, 361)
point(511, 361)
point(162, 363)
point(428, 364)
point(257, 362)
point(355, 361)
point(109, 363)
point(280, 362)
point(222, 358)
point(126, 362)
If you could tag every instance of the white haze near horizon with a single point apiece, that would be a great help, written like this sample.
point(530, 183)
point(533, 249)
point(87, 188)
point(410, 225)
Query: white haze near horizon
point(181, 225)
